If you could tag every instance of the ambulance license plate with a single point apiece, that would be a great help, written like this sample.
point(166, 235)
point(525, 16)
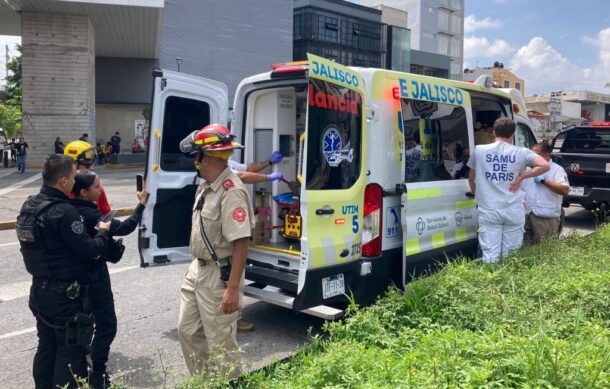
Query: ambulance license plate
point(577, 191)
point(333, 286)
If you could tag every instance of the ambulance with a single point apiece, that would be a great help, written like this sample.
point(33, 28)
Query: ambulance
point(375, 188)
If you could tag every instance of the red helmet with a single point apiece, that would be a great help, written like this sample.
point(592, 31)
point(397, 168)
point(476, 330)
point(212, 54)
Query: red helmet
point(214, 137)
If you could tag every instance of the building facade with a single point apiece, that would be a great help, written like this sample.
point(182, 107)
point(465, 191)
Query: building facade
point(87, 64)
point(347, 33)
point(502, 78)
point(437, 26)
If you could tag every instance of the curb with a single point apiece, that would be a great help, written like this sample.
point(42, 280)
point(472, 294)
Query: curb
point(10, 225)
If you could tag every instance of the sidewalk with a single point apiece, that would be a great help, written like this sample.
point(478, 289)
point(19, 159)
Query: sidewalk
point(120, 186)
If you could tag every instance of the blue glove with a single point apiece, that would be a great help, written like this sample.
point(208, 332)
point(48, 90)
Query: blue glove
point(538, 179)
point(275, 176)
point(276, 157)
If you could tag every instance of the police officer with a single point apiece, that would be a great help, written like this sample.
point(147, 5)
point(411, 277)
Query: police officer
point(58, 252)
point(543, 198)
point(496, 173)
point(221, 226)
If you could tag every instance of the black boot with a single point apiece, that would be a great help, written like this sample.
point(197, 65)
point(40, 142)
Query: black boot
point(99, 379)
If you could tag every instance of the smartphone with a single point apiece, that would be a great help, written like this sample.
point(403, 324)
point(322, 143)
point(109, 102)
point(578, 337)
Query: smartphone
point(111, 215)
point(139, 182)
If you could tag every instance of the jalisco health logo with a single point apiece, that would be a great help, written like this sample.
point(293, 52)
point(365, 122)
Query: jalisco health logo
point(420, 226)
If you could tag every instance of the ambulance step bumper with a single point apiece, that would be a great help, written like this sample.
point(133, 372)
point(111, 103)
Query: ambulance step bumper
point(268, 276)
point(276, 298)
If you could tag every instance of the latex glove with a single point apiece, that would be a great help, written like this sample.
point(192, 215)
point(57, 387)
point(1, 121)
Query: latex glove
point(538, 179)
point(276, 157)
point(275, 176)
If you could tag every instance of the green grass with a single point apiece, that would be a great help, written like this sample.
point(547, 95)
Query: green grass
point(538, 319)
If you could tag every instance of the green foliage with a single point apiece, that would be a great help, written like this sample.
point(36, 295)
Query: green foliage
point(10, 120)
point(13, 85)
point(540, 318)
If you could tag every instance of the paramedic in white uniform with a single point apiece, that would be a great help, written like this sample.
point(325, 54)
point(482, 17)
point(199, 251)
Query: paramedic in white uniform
point(543, 198)
point(249, 173)
point(496, 173)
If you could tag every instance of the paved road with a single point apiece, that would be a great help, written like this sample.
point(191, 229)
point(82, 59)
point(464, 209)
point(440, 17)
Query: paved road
point(147, 303)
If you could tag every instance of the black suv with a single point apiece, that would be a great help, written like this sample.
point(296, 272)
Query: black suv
point(584, 152)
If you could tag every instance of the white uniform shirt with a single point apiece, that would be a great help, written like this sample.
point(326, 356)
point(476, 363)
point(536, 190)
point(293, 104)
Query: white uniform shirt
point(539, 199)
point(496, 166)
point(238, 167)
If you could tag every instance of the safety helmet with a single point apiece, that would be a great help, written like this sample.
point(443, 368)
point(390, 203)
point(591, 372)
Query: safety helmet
point(80, 151)
point(211, 138)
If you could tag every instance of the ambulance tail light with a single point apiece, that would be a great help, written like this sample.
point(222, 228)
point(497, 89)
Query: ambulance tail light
point(371, 230)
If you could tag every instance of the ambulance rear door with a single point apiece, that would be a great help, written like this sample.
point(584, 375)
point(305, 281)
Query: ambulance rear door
point(438, 218)
point(181, 104)
point(332, 191)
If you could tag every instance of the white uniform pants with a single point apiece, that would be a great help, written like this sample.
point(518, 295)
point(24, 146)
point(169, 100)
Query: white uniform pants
point(500, 231)
point(206, 334)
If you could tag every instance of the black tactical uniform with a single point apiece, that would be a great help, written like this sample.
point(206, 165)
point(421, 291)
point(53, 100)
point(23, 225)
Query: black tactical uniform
point(58, 252)
point(100, 290)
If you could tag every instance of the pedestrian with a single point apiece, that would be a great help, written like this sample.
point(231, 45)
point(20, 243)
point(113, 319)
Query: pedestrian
point(496, 173)
point(107, 150)
point(84, 137)
point(99, 153)
point(13, 147)
point(543, 199)
point(212, 288)
point(59, 146)
point(58, 252)
point(87, 190)
point(115, 141)
point(84, 155)
point(21, 151)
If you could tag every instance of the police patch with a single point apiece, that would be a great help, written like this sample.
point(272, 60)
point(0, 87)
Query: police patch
point(239, 214)
point(77, 227)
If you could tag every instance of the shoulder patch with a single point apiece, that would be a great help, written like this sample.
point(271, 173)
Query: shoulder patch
point(77, 227)
point(226, 184)
point(239, 214)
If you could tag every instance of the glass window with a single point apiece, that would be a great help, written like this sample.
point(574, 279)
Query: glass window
point(456, 48)
point(436, 141)
point(518, 85)
point(524, 136)
point(587, 140)
point(443, 19)
point(333, 136)
point(182, 116)
point(456, 24)
point(506, 84)
point(442, 44)
point(485, 110)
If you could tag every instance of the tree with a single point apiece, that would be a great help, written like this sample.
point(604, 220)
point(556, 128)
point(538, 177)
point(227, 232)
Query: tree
point(10, 112)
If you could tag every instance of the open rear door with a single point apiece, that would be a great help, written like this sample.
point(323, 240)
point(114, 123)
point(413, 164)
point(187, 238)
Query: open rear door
point(181, 105)
point(332, 192)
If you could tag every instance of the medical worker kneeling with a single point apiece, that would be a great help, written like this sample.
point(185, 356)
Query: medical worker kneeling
point(496, 173)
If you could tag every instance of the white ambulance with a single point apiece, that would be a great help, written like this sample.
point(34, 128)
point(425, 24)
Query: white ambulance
point(376, 159)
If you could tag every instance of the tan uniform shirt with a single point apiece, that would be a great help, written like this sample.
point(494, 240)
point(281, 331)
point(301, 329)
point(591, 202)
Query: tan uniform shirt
point(226, 214)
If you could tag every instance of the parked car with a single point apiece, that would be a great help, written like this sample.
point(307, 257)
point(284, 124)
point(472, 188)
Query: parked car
point(584, 153)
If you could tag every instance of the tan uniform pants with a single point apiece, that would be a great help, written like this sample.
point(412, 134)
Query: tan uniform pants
point(539, 229)
point(206, 333)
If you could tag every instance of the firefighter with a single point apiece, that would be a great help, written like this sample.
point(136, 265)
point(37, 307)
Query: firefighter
point(84, 155)
point(221, 227)
point(58, 252)
point(496, 173)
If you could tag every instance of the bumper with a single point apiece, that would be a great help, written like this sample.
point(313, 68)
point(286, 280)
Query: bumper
point(591, 197)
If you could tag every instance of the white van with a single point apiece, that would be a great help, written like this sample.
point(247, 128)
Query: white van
point(378, 157)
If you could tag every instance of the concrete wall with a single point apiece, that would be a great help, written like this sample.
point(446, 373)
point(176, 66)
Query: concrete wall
point(226, 40)
point(117, 117)
point(58, 80)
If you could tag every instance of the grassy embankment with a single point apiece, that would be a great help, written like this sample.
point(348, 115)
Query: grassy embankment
point(540, 318)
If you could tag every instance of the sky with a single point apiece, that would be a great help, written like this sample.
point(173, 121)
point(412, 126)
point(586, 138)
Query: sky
point(552, 44)
point(11, 41)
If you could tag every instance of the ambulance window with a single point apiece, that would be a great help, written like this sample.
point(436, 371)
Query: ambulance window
point(485, 110)
point(182, 116)
point(333, 136)
point(436, 141)
point(524, 136)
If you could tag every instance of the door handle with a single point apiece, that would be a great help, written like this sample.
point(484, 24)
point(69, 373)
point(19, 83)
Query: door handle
point(325, 211)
